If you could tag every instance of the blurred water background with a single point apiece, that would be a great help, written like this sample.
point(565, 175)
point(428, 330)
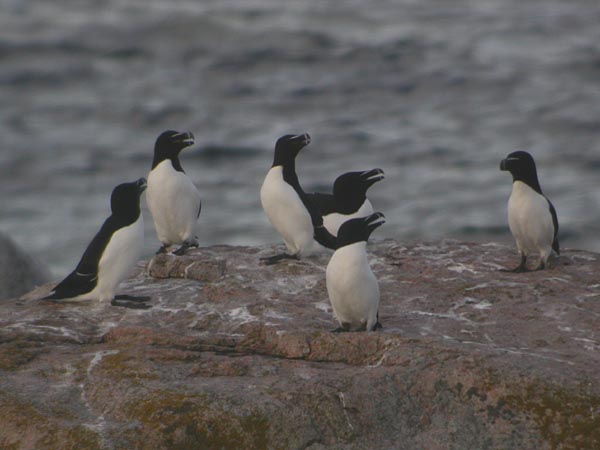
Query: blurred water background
point(435, 92)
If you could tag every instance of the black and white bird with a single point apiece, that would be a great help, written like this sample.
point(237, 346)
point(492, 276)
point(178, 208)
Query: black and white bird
point(288, 207)
point(111, 254)
point(531, 216)
point(349, 199)
point(172, 197)
point(352, 287)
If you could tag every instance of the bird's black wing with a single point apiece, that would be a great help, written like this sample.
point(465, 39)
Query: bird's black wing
point(555, 245)
point(83, 279)
point(320, 233)
point(324, 237)
point(324, 203)
point(74, 284)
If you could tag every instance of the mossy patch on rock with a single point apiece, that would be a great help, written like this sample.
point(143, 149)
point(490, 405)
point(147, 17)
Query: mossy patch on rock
point(179, 422)
point(567, 418)
point(125, 364)
point(25, 427)
point(15, 354)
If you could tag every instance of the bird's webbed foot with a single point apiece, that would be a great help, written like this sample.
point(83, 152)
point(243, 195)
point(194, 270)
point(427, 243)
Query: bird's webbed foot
point(270, 260)
point(518, 269)
point(131, 302)
point(181, 250)
point(343, 328)
point(522, 267)
point(163, 249)
point(186, 244)
point(377, 325)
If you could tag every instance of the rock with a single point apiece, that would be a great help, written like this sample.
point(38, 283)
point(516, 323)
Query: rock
point(234, 354)
point(198, 267)
point(19, 272)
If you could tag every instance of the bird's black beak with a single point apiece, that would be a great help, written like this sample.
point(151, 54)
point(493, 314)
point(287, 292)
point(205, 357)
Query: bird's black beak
point(372, 176)
point(302, 139)
point(503, 165)
point(374, 221)
point(186, 138)
point(142, 184)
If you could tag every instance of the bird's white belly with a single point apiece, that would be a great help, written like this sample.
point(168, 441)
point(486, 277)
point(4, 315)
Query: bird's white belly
point(174, 202)
point(529, 219)
point(119, 258)
point(353, 289)
point(334, 221)
point(287, 213)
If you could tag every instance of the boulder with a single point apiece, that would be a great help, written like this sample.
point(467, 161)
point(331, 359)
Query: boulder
point(234, 354)
point(19, 272)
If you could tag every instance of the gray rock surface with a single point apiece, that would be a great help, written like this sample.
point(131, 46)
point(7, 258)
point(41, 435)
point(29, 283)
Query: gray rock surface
point(234, 354)
point(19, 272)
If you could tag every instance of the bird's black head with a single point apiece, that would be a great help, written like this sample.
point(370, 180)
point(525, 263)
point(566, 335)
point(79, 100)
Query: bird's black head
point(358, 230)
point(522, 167)
point(125, 200)
point(350, 188)
point(169, 144)
point(288, 147)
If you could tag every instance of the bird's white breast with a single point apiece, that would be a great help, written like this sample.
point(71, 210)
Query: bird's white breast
point(174, 202)
point(334, 221)
point(529, 218)
point(353, 289)
point(287, 213)
point(121, 254)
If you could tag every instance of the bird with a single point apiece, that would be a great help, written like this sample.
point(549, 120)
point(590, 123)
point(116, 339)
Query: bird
point(111, 254)
point(172, 197)
point(531, 216)
point(288, 208)
point(352, 287)
point(349, 199)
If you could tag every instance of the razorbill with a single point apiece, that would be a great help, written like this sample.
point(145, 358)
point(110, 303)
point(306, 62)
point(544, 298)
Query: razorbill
point(353, 289)
point(531, 216)
point(349, 199)
point(172, 198)
point(288, 207)
point(111, 254)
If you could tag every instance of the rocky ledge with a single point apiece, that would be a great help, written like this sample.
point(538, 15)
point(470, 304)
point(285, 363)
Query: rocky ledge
point(233, 354)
